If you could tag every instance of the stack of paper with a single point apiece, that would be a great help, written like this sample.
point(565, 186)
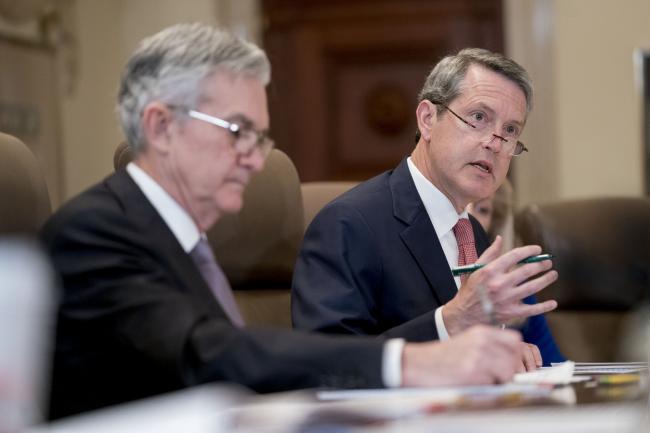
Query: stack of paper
point(559, 374)
point(582, 368)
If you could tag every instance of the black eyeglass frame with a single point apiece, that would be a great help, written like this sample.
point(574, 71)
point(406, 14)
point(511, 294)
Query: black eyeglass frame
point(519, 146)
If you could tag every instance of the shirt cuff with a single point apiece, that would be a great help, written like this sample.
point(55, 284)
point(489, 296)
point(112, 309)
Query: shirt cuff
point(391, 367)
point(440, 325)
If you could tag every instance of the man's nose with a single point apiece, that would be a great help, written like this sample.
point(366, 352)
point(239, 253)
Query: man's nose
point(495, 142)
point(254, 160)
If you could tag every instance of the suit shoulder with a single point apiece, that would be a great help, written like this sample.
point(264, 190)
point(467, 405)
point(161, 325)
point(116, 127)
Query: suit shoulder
point(366, 197)
point(98, 206)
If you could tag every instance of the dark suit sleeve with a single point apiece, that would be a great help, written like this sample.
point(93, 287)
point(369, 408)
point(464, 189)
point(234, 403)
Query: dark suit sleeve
point(129, 328)
point(337, 277)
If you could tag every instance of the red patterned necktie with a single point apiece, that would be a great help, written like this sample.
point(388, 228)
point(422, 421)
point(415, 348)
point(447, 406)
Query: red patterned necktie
point(466, 245)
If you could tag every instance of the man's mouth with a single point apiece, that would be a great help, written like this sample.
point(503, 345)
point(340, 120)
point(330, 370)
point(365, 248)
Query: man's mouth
point(241, 181)
point(484, 166)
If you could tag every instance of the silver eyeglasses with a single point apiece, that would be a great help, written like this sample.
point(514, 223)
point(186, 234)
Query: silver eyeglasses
point(513, 147)
point(246, 138)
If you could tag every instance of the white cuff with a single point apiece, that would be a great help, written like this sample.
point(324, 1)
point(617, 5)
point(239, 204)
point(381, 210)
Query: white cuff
point(391, 367)
point(440, 325)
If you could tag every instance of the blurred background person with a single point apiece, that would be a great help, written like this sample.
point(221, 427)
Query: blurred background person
point(496, 216)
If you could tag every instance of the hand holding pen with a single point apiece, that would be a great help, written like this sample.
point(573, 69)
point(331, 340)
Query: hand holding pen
point(468, 269)
point(494, 291)
point(486, 302)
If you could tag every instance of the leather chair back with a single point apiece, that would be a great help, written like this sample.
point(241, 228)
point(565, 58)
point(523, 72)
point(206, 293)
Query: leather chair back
point(602, 249)
point(122, 156)
point(315, 195)
point(26, 202)
point(257, 248)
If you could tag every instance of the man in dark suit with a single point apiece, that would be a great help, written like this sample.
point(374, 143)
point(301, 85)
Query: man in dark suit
point(145, 308)
point(377, 259)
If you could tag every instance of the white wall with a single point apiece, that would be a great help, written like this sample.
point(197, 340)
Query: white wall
point(107, 32)
point(89, 131)
point(599, 109)
point(585, 132)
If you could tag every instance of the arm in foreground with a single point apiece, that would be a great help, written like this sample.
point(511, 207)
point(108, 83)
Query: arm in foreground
point(480, 355)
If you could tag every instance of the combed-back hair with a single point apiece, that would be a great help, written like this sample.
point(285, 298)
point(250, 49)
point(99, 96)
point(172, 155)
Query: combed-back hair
point(171, 65)
point(443, 84)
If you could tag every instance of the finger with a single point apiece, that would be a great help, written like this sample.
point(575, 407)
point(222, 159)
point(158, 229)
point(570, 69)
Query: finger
point(531, 287)
point(501, 365)
point(509, 363)
point(492, 252)
point(506, 261)
point(521, 367)
point(527, 310)
point(507, 340)
point(520, 273)
point(528, 358)
point(536, 354)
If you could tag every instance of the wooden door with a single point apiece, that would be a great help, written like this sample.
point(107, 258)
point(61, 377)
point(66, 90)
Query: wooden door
point(346, 74)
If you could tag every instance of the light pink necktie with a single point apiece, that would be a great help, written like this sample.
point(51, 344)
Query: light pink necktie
point(466, 244)
point(214, 276)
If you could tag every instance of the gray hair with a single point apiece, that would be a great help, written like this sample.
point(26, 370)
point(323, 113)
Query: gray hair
point(443, 84)
point(171, 65)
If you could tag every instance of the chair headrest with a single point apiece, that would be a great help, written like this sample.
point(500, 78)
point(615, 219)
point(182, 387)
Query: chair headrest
point(122, 156)
point(261, 242)
point(602, 249)
point(22, 188)
point(315, 195)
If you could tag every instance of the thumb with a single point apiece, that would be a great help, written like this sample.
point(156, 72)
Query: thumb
point(492, 252)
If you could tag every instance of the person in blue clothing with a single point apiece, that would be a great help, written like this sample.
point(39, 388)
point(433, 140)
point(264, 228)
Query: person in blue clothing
point(377, 260)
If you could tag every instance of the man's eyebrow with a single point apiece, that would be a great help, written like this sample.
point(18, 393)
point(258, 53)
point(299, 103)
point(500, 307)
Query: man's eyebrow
point(491, 111)
point(241, 119)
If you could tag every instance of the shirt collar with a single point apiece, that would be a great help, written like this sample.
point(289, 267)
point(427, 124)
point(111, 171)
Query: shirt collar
point(442, 213)
point(177, 219)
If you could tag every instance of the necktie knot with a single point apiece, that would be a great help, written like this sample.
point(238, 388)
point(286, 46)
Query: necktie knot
point(202, 253)
point(466, 244)
point(463, 232)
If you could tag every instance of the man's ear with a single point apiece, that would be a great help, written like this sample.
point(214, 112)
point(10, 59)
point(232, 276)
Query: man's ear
point(425, 114)
point(156, 122)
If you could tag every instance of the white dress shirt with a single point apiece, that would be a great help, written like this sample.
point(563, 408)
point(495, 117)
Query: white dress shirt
point(443, 217)
point(188, 235)
point(176, 218)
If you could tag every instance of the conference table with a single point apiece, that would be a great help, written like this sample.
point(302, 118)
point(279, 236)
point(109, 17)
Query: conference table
point(599, 404)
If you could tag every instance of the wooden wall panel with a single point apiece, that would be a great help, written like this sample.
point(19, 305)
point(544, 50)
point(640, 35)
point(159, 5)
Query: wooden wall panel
point(346, 75)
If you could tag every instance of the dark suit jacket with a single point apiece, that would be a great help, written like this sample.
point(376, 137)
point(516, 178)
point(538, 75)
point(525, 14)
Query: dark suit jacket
point(371, 263)
point(136, 318)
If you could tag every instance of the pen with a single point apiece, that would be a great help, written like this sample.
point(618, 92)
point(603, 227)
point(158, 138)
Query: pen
point(476, 266)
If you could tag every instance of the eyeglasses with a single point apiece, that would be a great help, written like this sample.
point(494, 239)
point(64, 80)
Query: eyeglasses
point(511, 146)
point(246, 138)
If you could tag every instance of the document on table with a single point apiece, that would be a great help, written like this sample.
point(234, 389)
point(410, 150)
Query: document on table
point(582, 368)
point(558, 374)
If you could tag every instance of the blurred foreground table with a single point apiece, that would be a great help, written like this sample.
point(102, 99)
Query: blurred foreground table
point(594, 406)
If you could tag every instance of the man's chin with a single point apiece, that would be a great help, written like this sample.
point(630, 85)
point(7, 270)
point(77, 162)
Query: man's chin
point(479, 191)
point(232, 205)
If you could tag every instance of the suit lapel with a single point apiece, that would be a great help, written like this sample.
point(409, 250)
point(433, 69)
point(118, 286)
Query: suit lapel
point(162, 242)
point(419, 236)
